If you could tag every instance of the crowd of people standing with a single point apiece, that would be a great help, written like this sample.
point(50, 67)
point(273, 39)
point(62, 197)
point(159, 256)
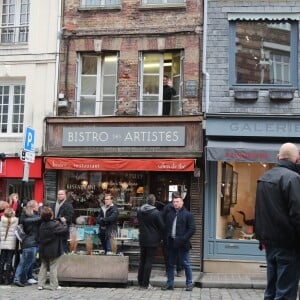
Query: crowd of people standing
point(46, 231)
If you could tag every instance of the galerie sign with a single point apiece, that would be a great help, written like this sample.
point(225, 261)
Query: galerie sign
point(123, 136)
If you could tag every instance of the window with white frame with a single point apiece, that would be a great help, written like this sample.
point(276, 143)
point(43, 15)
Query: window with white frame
point(99, 3)
point(162, 2)
point(263, 52)
point(12, 101)
point(14, 21)
point(160, 83)
point(97, 85)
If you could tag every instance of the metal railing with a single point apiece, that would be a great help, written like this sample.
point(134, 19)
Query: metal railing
point(133, 107)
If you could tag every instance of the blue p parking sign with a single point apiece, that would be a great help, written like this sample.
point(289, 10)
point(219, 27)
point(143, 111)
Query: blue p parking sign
point(29, 139)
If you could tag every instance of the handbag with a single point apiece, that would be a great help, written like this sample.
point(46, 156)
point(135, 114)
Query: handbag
point(20, 233)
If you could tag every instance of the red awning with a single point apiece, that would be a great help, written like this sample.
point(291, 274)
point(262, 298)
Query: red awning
point(98, 164)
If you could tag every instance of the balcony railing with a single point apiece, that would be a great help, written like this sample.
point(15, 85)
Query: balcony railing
point(147, 107)
point(14, 35)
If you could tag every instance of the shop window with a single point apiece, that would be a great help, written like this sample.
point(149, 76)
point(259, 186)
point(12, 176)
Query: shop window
point(97, 85)
point(12, 108)
point(86, 190)
point(154, 67)
point(263, 53)
point(14, 21)
point(24, 190)
point(236, 190)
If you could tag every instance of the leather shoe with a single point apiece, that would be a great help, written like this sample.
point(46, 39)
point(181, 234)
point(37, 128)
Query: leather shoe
point(19, 284)
point(167, 288)
point(189, 287)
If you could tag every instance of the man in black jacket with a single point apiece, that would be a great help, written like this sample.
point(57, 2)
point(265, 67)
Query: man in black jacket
point(179, 228)
point(150, 227)
point(108, 221)
point(277, 223)
point(63, 211)
point(168, 93)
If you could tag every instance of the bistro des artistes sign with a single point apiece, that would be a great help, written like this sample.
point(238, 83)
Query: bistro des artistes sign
point(124, 136)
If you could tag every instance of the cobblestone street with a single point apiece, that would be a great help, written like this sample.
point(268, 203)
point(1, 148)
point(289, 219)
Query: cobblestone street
point(129, 293)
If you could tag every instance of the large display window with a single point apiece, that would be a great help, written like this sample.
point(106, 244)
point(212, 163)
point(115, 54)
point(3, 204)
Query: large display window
point(236, 193)
point(86, 191)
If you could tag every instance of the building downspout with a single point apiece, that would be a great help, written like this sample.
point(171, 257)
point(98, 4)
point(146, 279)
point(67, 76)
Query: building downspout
point(204, 52)
point(59, 32)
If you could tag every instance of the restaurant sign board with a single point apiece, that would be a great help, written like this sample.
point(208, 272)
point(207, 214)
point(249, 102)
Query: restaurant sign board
point(124, 136)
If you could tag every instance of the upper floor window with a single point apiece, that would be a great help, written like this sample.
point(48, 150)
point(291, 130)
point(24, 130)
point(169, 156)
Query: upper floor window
point(97, 85)
point(14, 21)
point(162, 2)
point(12, 108)
point(263, 53)
point(160, 84)
point(99, 3)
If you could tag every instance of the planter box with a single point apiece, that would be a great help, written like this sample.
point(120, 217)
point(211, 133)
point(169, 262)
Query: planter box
point(93, 268)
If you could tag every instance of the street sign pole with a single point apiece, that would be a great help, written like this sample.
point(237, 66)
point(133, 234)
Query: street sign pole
point(26, 172)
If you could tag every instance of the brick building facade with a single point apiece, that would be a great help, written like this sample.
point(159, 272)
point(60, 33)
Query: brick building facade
point(134, 135)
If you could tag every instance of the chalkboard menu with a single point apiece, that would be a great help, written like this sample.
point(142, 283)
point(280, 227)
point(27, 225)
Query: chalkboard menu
point(191, 88)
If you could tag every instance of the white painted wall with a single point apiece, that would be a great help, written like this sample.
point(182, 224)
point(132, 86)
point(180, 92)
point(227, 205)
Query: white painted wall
point(34, 62)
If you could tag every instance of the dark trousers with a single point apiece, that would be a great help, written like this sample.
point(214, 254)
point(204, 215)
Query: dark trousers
point(145, 266)
point(283, 271)
point(6, 258)
point(179, 266)
point(105, 241)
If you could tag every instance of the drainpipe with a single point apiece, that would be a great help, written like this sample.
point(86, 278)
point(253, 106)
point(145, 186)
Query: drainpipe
point(59, 32)
point(204, 71)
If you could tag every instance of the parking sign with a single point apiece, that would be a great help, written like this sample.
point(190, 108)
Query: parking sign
point(29, 139)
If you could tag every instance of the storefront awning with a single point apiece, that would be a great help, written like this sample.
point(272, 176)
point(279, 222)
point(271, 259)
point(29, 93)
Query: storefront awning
point(98, 164)
point(242, 151)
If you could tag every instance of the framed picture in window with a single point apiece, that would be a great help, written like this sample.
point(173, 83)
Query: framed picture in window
point(234, 188)
point(226, 188)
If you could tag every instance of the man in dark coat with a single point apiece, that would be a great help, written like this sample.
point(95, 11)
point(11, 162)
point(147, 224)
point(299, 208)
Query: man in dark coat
point(150, 234)
point(63, 211)
point(179, 228)
point(166, 209)
point(52, 234)
point(168, 93)
point(277, 223)
point(108, 221)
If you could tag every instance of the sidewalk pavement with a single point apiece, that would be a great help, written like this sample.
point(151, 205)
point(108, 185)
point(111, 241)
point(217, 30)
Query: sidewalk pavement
point(207, 280)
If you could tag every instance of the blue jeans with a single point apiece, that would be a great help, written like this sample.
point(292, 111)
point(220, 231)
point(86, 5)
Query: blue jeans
point(105, 241)
point(283, 272)
point(172, 254)
point(28, 257)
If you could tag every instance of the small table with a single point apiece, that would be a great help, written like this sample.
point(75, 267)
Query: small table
point(123, 239)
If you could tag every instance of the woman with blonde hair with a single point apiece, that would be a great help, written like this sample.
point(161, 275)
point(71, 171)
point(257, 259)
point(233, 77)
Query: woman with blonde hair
point(13, 201)
point(8, 226)
point(31, 221)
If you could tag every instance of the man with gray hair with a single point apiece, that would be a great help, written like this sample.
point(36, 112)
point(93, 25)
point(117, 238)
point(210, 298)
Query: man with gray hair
point(277, 223)
point(151, 228)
